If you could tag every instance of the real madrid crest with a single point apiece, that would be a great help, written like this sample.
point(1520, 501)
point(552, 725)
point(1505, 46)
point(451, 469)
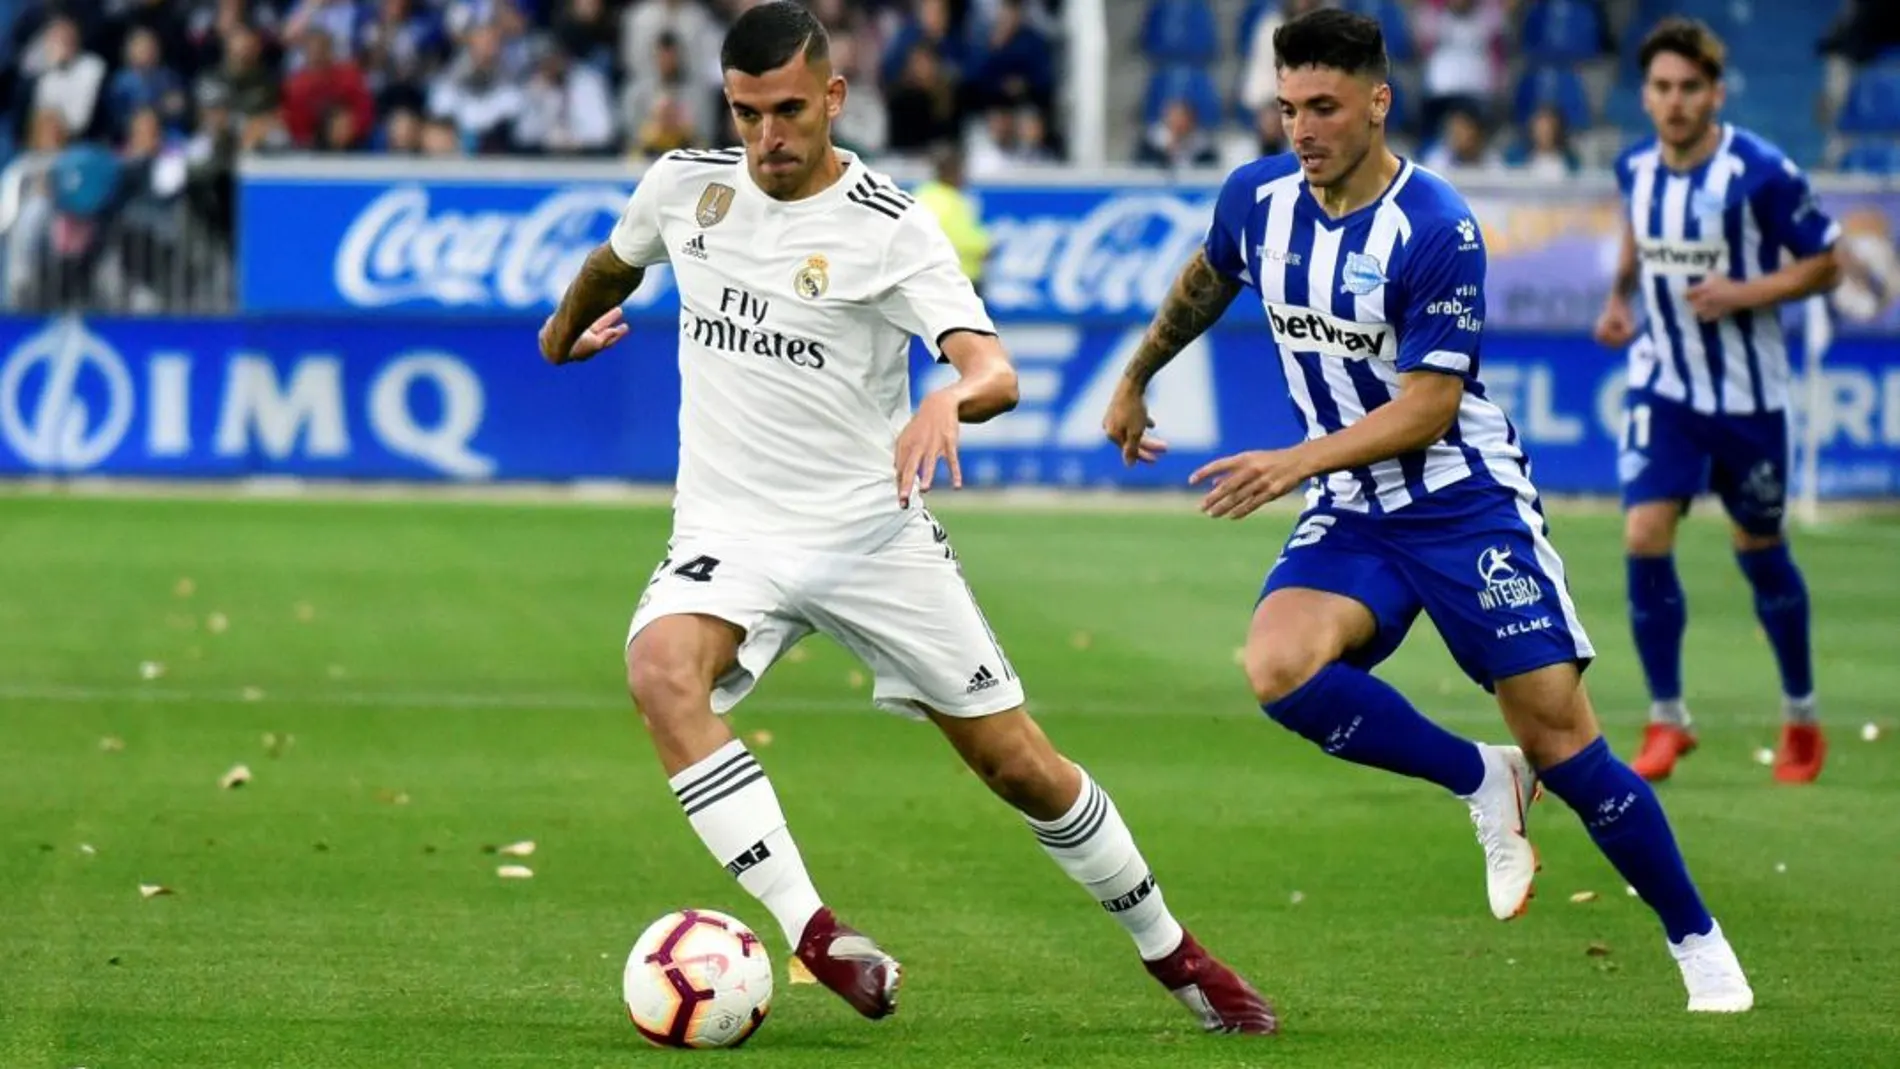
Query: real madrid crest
point(813, 279)
point(714, 202)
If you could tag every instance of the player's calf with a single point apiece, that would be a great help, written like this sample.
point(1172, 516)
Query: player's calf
point(1292, 661)
point(1078, 826)
point(1016, 761)
point(1549, 709)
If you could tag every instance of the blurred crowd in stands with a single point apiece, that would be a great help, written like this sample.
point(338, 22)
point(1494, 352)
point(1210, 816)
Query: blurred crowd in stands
point(143, 107)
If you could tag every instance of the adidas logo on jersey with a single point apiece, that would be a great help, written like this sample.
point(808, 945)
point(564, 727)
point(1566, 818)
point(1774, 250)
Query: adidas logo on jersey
point(1307, 331)
point(696, 248)
point(984, 679)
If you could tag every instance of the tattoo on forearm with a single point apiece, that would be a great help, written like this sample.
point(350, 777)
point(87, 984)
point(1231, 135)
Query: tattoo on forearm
point(605, 281)
point(1197, 300)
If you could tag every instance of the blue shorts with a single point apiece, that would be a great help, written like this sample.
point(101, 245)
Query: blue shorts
point(1483, 569)
point(1671, 452)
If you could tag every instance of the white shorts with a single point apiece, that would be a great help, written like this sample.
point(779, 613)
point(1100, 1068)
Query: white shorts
point(903, 609)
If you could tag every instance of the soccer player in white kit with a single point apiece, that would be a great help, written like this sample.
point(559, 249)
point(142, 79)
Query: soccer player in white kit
point(802, 276)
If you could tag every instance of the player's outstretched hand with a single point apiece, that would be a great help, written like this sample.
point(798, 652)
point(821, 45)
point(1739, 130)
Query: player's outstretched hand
point(1616, 327)
point(931, 437)
point(608, 329)
point(1245, 481)
point(1127, 425)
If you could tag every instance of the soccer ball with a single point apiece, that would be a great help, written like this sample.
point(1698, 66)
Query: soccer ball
point(697, 978)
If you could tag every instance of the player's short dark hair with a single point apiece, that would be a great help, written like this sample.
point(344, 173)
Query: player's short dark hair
point(1689, 38)
point(769, 36)
point(1329, 37)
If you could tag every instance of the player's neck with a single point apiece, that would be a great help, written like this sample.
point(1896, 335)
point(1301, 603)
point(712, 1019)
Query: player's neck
point(1689, 157)
point(830, 168)
point(1364, 184)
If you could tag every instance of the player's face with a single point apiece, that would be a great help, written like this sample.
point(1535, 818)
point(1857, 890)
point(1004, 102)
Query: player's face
point(1332, 120)
point(1680, 99)
point(784, 117)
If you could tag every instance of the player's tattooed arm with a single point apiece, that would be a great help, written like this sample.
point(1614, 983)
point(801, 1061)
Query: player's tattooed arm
point(588, 318)
point(1199, 297)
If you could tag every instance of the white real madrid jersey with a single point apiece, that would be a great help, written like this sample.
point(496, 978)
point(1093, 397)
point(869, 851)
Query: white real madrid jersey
point(795, 327)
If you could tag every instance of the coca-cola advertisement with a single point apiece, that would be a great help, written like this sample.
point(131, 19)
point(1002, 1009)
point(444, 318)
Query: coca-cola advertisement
point(1101, 252)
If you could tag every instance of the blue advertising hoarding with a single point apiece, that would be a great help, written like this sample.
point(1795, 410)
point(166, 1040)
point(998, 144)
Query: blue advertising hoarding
point(393, 242)
point(434, 398)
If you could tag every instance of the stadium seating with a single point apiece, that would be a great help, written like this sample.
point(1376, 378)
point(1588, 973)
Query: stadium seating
point(1873, 102)
point(1562, 31)
point(1183, 82)
point(1552, 86)
point(1877, 157)
point(1775, 86)
point(1181, 31)
point(1249, 21)
point(1393, 22)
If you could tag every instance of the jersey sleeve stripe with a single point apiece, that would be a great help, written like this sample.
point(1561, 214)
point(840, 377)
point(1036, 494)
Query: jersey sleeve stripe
point(859, 197)
point(868, 190)
point(983, 331)
point(1457, 363)
point(696, 155)
point(881, 186)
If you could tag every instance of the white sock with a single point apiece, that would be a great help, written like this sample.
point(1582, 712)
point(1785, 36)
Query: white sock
point(1799, 710)
point(1669, 712)
point(732, 806)
point(1093, 846)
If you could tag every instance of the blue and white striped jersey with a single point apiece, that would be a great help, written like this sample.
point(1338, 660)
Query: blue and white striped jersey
point(1735, 214)
point(1354, 302)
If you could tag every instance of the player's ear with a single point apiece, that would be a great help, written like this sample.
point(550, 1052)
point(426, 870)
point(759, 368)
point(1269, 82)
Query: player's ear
point(1381, 102)
point(834, 96)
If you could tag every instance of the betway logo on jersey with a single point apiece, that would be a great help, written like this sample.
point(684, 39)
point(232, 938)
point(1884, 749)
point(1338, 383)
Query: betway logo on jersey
point(740, 328)
point(1678, 256)
point(1306, 330)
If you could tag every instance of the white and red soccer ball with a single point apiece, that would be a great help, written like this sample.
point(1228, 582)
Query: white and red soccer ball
point(698, 979)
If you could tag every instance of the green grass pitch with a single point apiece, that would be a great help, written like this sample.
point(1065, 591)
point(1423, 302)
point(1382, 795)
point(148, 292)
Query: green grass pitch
point(450, 676)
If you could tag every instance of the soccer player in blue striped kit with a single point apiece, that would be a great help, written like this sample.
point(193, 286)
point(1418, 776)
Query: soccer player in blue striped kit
point(1371, 270)
point(1721, 229)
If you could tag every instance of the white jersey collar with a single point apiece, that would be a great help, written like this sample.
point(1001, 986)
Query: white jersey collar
point(853, 171)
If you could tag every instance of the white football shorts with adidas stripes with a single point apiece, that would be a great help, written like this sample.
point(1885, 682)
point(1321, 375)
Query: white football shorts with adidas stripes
point(904, 609)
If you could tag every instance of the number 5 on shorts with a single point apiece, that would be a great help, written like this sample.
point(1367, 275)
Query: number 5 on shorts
point(1311, 530)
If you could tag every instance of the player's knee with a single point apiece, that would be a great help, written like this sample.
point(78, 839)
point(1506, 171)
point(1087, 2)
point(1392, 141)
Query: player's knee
point(1649, 533)
point(664, 685)
point(1277, 669)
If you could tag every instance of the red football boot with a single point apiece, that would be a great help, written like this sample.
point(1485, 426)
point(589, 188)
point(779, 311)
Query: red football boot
point(1803, 750)
point(850, 964)
point(1213, 992)
point(1662, 745)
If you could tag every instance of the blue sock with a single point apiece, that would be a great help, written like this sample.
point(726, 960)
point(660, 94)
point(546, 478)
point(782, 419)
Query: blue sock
point(1351, 714)
point(1781, 603)
point(1658, 617)
point(1623, 816)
